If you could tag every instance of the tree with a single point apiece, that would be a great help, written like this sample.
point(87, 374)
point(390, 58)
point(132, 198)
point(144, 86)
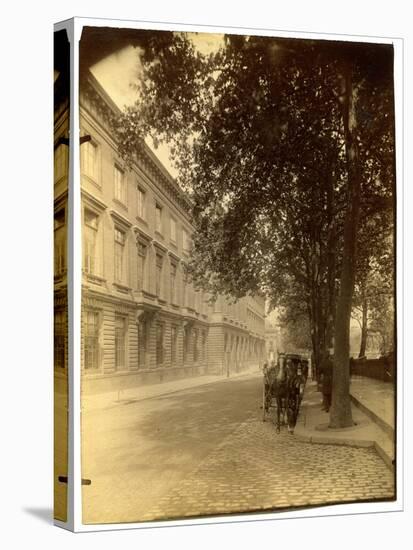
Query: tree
point(273, 138)
point(374, 287)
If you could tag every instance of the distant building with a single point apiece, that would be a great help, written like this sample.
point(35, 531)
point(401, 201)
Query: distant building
point(373, 344)
point(272, 341)
point(142, 319)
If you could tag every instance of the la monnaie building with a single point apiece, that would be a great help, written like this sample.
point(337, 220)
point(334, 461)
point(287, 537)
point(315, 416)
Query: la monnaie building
point(142, 320)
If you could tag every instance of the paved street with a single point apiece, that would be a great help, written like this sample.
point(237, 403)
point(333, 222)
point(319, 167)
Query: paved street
point(206, 451)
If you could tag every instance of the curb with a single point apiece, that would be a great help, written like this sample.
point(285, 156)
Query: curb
point(362, 443)
point(349, 442)
point(385, 426)
point(384, 455)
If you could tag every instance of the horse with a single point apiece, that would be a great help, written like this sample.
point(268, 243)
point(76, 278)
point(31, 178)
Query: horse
point(277, 388)
point(296, 379)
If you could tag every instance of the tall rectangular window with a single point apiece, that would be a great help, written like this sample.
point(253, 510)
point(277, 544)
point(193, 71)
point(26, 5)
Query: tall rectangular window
point(173, 230)
point(91, 340)
point(158, 281)
point(159, 343)
point(173, 283)
point(204, 341)
point(184, 289)
point(174, 340)
point(142, 249)
point(89, 159)
point(141, 204)
point(196, 349)
point(142, 340)
point(120, 185)
point(90, 239)
point(186, 243)
point(186, 344)
point(59, 242)
point(60, 332)
point(190, 295)
point(61, 162)
point(158, 218)
point(119, 246)
point(120, 342)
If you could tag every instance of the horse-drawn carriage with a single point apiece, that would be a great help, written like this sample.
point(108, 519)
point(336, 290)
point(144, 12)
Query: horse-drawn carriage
point(283, 388)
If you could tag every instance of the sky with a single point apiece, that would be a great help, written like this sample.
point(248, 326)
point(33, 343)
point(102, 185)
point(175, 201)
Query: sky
point(118, 72)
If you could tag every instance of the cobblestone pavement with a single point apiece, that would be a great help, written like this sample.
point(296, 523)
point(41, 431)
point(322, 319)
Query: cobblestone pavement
point(206, 451)
point(257, 470)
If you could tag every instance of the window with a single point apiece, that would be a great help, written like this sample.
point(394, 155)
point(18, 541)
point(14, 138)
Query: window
point(141, 204)
point(59, 243)
point(159, 343)
point(60, 332)
point(186, 243)
point(91, 226)
point(91, 340)
point(159, 263)
point(174, 339)
point(184, 289)
point(120, 342)
point(173, 230)
point(119, 246)
point(190, 295)
point(204, 341)
point(196, 350)
point(89, 159)
point(142, 249)
point(142, 339)
point(173, 283)
point(187, 332)
point(158, 218)
point(120, 185)
point(60, 162)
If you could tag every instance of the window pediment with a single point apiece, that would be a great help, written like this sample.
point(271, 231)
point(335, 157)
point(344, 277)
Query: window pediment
point(93, 203)
point(142, 236)
point(120, 220)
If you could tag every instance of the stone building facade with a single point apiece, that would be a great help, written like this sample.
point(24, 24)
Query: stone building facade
point(142, 319)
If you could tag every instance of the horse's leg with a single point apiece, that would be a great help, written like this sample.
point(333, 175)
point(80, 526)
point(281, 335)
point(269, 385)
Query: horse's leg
point(285, 401)
point(278, 414)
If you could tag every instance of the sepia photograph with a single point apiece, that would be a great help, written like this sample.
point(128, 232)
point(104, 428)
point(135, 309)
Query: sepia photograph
point(238, 289)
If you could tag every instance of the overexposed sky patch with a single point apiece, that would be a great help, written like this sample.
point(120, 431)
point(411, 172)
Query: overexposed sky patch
point(207, 42)
point(119, 72)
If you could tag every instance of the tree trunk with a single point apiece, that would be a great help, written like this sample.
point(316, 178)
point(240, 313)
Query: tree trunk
point(331, 262)
point(340, 412)
point(363, 343)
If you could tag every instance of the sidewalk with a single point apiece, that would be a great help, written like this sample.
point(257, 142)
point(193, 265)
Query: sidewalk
point(376, 399)
point(372, 410)
point(139, 393)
